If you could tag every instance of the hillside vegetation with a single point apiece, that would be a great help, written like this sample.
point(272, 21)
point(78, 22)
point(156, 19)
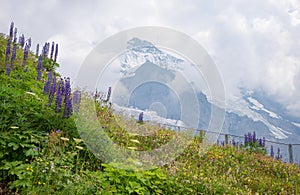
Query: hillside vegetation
point(41, 151)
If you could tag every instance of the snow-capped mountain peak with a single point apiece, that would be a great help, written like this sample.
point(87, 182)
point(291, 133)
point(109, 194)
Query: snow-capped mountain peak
point(140, 51)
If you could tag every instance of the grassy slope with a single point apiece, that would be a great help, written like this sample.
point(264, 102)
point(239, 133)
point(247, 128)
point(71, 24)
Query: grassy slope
point(69, 167)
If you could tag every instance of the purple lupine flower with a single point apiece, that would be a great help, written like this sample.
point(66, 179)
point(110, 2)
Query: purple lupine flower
point(39, 68)
point(272, 151)
point(141, 115)
point(246, 139)
point(47, 87)
point(52, 91)
point(67, 100)
point(264, 142)
point(254, 136)
point(37, 50)
point(56, 52)
point(7, 52)
point(15, 35)
point(52, 50)
point(108, 95)
point(67, 88)
point(26, 51)
point(260, 143)
point(67, 108)
point(50, 76)
point(233, 142)
point(49, 82)
point(278, 154)
point(22, 40)
point(46, 50)
point(249, 137)
point(29, 43)
point(223, 143)
point(58, 131)
point(13, 56)
point(76, 100)
point(7, 57)
point(58, 101)
point(8, 69)
point(11, 30)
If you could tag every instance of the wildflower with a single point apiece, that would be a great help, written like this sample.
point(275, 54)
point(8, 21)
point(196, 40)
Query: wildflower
point(39, 68)
point(26, 51)
point(67, 100)
point(76, 100)
point(30, 93)
point(47, 87)
point(133, 134)
point(22, 40)
point(36, 149)
point(67, 89)
point(108, 94)
point(14, 127)
point(29, 43)
point(279, 156)
point(45, 51)
point(56, 52)
point(77, 140)
point(132, 148)
point(57, 131)
point(64, 139)
point(67, 108)
point(141, 117)
point(52, 50)
point(272, 151)
point(13, 56)
point(7, 52)
point(58, 101)
point(249, 138)
point(260, 142)
point(8, 70)
point(15, 35)
point(135, 141)
point(37, 50)
point(79, 147)
point(48, 83)
point(52, 91)
point(11, 30)
point(233, 142)
point(254, 137)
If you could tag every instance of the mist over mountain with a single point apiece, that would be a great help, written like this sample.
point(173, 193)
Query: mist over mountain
point(143, 63)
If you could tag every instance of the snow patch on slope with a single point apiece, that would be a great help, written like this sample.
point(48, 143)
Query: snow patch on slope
point(258, 106)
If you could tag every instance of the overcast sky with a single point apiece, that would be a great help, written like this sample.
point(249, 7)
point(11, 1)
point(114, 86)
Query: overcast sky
point(255, 43)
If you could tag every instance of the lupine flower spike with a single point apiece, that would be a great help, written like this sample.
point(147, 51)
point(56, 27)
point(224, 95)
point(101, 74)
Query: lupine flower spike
point(26, 51)
point(11, 31)
point(37, 50)
point(58, 101)
point(15, 35)
point(39, 68)
point(68, 102)
point(22, 41)
point(52, 50)
point(272, 151)
point(56, 52)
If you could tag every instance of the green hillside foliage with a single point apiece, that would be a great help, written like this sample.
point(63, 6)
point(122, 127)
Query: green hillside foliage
point(41, 151)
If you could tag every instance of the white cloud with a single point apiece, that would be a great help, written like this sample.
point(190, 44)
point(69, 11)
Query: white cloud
point(254, 43)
